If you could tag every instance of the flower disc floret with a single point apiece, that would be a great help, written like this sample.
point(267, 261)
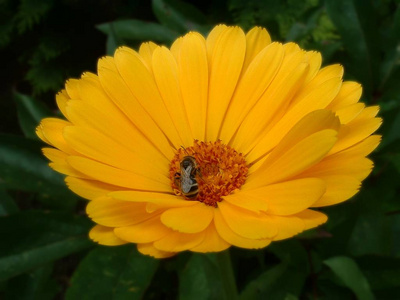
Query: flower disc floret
point(220, 170)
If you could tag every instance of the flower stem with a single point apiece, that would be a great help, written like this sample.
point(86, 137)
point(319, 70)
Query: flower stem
point(228, 277)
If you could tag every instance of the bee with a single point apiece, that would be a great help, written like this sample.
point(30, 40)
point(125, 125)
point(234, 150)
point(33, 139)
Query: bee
point(186, 179)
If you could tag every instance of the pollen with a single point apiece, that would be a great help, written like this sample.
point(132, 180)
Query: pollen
point(220, 170)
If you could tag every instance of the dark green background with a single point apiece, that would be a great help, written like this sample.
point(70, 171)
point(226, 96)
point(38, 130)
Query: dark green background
point(44, 249)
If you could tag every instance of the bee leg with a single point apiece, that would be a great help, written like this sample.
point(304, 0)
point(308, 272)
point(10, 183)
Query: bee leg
point(177, 178)
point(198, 173)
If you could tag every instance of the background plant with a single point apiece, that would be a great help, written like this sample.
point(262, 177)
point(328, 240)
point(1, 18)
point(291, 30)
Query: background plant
point(45, 252)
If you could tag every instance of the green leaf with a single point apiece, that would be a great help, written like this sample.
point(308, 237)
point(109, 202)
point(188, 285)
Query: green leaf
point(30, 12)
point(390, 63)
point(7, 204)
point(179, 15)
point(332, 291)
point(23, 167)
point(265, 283)
point(201, 279)
point(355, 21)
point(372, 234)
point(339, 228)
point(348, 271)
point(46, 76)
point(33, 238)
point(112, 273)
point(382, 272)
point(294, 255)
point(293, 251)
point(111, 44)
point(396, 24)
point(138, 30)
point(393, 133)
point(300, 30)
point(36, 284)
point(30, 112)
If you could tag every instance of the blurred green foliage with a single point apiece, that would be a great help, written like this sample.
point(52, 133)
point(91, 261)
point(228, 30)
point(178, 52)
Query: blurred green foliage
point(45, 252)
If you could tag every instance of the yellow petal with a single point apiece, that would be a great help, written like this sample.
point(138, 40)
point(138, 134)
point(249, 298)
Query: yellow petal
point(177, 241)
point(176, 48)
point(315, 100)
point(165, 71)
point(251, 87)
point(323, 75)
point(276, 99)
point(193, 79)
point(39, 133)
point(332, 72)
point(105, 236)
point(159, 200)
point(349, 94)
point(142, 86)
point(212, 242)
point(52, 130)
point(148, 249)
point(120, 94)
point(246, 223)
point(350, 112)
point(72, 88)
point(256, 40)
point(312, 218)
point(301, 156)
point(115, 176)
point(66, 170)
point(92, 93)
point(341, 164)
point(226, 63)
point(117, 128)
point(314, 59)
point(233, 238)
point(146, 52)
point(114, 213)
point(62, 99)
point(311, 123)
point(94, 97)
point(59, 163)
point(89, 189)
point(144, 232)
point(291, 48)
point(287, 227)
point(355, 132)
point(192, 219)
point(98, 111)
point(248, 200)
point(367, 113)
point(55, 155)
point(94, 145)
point(87, 75)
point(285, 83)
point(290, 197)
point(364, 147)
point(213, 37)
point(338, 189)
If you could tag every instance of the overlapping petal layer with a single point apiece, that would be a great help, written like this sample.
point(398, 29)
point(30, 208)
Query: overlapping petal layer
point(301, 129)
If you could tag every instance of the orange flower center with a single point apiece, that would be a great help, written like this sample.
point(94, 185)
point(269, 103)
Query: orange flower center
point(207, 171)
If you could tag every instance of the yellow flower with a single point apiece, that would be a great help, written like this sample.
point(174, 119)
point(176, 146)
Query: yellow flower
point(228, 140)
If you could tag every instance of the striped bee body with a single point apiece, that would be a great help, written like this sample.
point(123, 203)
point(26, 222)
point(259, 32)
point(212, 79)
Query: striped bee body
point(186, 179)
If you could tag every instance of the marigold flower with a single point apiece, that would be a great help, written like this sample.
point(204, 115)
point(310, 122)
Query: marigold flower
point(228, 140)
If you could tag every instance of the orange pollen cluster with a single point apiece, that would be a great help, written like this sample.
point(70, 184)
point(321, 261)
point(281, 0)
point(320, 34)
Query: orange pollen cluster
point(216, 171)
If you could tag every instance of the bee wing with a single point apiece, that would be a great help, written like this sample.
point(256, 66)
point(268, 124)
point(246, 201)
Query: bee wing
point(187, 171)
point(186, 184)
